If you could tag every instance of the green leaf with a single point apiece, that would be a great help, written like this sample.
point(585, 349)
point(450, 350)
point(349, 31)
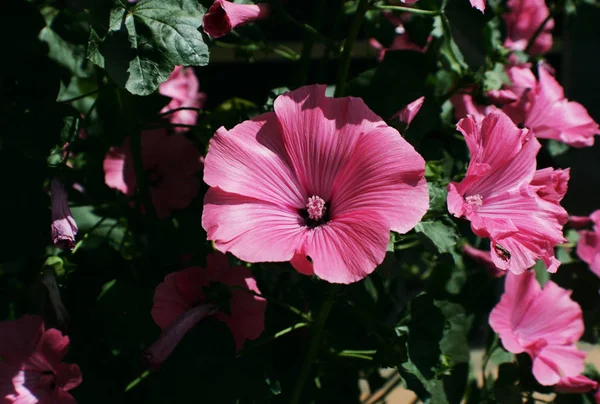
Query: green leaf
point(442, 233)
point(145, 41)
point(556, 148)
point(495, 78)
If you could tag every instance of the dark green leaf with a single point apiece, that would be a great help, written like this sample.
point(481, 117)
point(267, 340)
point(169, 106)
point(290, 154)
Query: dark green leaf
point(442, 233)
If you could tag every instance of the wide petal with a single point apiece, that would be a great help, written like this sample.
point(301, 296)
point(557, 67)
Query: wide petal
point(556, 361)
point(386, 175)
point(251, 229)
point(116, 174)
point(520, 291)
point(320, 134)
point(20, 337)
point(348, 248)
point(251, 160)
point(168, 302)
point(553, 317)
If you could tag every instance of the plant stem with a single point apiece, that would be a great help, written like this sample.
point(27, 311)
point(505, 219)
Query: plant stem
point(407, 245)
point(315, 342)
point(291, 308)
point(353, 355)
point(539, 30)
point(289, 329)
point(407, 9)
point(347, 47)
point(171, 111)
point(137, 381)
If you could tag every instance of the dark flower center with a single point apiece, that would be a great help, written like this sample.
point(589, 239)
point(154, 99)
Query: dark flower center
point(316, 212)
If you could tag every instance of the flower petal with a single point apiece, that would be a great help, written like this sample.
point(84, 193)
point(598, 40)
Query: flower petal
point(556, 361)
point(252, 230)
point(386, 175)
point(320, 134)
point(251, 160)
point(347, 249)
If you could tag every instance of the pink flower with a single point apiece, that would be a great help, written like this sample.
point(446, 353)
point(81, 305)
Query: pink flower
point(320, 182)
point(484, 258)
point(31, 369)
point(496, 195)
point(401, 40)
point(182, 86)
point(545, 324)
point(478, 4)
point(551, 184)
point(522, 21)
point(408, 113)
point(63, 228)
point(588, 246)
point(579, 221)
point(223, 16)
point(171, 164)
point(597, 396)
point(181, 301)
point(576, 384)
point(552, 116)
point(537, 105)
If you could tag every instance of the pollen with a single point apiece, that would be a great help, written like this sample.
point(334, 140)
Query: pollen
point(315, 208)
point(474, 200)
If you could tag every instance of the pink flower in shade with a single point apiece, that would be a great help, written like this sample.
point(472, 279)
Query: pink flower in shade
point(63, 228)
point(401, 41)
point(171, 164)
point(478, 4)
point(576, 384)
point(522, 21)
point(544, 323)
point(597, 396)
point(180, 303)
point(588, 246)
point(223, 16)
point(408, 113)
point(31, 369)
point(320, 182)
point(484, 258)
point(496, 195)
point(182, 86)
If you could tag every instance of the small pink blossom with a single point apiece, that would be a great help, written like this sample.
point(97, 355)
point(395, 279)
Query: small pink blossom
point(551, 184)
point(497, 197)
point(522, 21)
point(588, 246)
point(31, 368)
point(484, 258)
point(544, 323)
point(183, 88)
point(265, 173)
point(576, 384)
point(63, 228)
point(180, 303)
point(578, 222)
point(171, 164)
point(224, 16)
point(408, 113)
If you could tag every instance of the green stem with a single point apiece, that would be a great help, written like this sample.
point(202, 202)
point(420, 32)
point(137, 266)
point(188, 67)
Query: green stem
point(289, 329)
point(291, 308)
point(280, 50)
point(87, 233)
point(315, 342)
point(137, 381)
point(353, 355)
point(407, 245)
point(308, 29)
point(347, 49)
point(359, 352)
point(488, 355)
point(408, 10)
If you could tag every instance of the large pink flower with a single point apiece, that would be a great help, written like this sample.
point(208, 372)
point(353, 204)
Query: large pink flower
point(522, 21)
point(181, 301)
point(588, 246)
point(182, 86)
point(544, 323)
point(224, 16)
point(319, 182)
point(576, 384)
point(31, 369)
point(171, 164)
point(498, 198)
